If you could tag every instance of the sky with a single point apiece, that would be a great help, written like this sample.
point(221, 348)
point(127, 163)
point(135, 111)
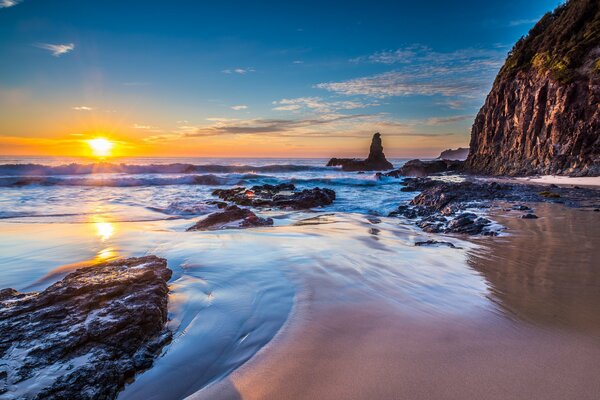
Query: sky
point(250, 78)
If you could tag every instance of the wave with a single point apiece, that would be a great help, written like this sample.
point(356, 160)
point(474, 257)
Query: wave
point(9, 170)
point(120, 181)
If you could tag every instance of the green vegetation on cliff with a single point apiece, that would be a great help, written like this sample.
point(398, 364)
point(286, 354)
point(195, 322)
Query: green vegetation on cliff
point(559, 42)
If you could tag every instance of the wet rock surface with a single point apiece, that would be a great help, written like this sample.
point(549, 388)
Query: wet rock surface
point(231, 217)
point(86, 335)
point(435, 243)
point(376, 160)
point(284, 195)
point(447, 206)
point(423, 168)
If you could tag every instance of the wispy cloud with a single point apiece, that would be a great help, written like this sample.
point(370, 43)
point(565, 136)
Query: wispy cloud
point(319, 105)
point(82, 108)
point(240, 71)
point(518, 22)
point(146, 127)
point(57, 50)
point(437, 121)
point(422, 71)
point(8, 3)
point(239, 107)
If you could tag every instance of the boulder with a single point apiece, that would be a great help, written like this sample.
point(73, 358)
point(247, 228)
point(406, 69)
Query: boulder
point(85, 336)
point(232, 217)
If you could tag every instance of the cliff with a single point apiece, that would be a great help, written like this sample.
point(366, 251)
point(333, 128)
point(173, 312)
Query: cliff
point(542, 115)
point(459, 154)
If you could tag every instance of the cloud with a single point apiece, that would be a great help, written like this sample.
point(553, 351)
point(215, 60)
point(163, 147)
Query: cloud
point(241, 71)
point(82, 108)
point(297, 62)
point(239, 107)
point(319, 105)
point(57, 50)
point(436, 121)
point(146, 127)
point(8, 3)
point(518, 22)
point(422, 71)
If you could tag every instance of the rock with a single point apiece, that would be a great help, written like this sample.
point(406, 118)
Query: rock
point(440, 205)
point(432, 242)
point(529, 216)
point(376, 160)
point(231, 217)
point(423, 168)
point(542, 115)
point(278, 196)
point(459, 154)
point(549, 195)
point(86, 335)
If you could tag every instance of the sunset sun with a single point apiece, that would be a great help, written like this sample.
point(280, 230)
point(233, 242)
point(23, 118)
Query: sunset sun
point(101, 147)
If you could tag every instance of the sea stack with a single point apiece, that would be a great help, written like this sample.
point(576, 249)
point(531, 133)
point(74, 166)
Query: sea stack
point(542, 115)
point(376, 160)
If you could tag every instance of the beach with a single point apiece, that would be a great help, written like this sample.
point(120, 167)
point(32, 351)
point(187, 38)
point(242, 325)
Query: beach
point(343, 300)
point(534, 335)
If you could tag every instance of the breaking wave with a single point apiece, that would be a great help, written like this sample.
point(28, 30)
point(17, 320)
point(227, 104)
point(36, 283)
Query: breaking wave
point(8, 170)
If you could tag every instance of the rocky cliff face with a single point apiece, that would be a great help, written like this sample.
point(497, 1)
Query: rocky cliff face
point(542, 115)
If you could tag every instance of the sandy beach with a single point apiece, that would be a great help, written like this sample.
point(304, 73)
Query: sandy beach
point(540, 340)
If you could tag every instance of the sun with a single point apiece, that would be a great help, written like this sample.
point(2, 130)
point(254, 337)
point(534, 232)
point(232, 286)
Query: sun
point(101, 147)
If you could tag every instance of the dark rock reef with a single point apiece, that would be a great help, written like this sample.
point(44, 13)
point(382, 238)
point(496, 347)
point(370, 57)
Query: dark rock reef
point(284, 195)
point(85, 336)
point(444, 206)
point(542, 115)
point(232, 217)
point(459, 154)
point(423, 168)
point(375, 162)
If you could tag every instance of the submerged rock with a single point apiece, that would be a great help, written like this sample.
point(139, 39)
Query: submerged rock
point(231, 217)
point(284, 195)
point(529, 216)
point(432, 242)
point(86, 335)
point(376, 160)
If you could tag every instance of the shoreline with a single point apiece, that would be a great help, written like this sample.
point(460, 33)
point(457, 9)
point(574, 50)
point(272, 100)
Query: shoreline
point(369, 348)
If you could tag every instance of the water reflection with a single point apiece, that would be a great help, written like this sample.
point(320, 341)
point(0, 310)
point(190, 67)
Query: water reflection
point(546, 271)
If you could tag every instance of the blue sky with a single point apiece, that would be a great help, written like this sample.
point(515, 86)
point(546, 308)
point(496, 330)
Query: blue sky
point(252, 78)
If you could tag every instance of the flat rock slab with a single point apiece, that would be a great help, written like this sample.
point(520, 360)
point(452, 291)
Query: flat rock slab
point(86, 335)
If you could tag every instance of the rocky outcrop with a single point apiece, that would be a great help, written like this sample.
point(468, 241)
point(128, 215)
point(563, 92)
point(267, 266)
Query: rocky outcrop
point(375, 162)
point(443, 206)
point(231, 218)
point(542, 115)
point(284, 195)
point(424, 168)
point(85, 336)
point(459, 154)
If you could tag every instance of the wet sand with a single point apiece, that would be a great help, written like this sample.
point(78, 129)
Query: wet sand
point(537, 336)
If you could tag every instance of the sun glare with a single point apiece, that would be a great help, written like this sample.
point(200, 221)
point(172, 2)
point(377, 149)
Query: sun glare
point(101, 147)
